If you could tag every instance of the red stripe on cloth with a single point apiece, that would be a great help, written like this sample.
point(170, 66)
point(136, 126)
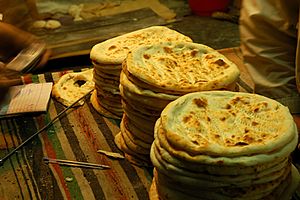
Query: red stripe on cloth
point(83, 123)
point(50, 152)
point(27, 79)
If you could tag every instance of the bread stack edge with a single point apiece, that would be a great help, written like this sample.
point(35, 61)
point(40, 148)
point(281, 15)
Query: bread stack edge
point(153, 76)
point(224, 145)
point(107, 58)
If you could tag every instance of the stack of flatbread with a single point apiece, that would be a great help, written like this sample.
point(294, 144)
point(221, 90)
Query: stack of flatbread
point(153, 76)
point(107, 58)
point(224, 145)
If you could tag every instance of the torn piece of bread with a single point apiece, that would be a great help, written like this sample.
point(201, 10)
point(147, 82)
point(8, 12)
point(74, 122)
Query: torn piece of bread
point(73, 86)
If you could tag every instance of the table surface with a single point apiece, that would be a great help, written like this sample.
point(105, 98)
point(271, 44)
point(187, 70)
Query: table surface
point(76, 136)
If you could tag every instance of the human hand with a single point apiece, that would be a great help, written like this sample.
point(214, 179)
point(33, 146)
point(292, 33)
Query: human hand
point(13, 40)
point(8, 78)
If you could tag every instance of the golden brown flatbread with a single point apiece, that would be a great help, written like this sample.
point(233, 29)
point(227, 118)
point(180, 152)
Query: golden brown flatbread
point(224, 145)
point(115, 50)
point(229, 124)
point(179, 68)
point(71, 86)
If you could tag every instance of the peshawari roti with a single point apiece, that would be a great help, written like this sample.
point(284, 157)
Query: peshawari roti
point(115, 50)
point(224, 145)
point(228, 124)
point(108, 56)
point(180, 68)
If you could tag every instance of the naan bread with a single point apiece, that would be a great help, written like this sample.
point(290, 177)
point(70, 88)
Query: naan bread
point(221, 170)
point(175, 191)
point(107, 57)
point(132, 156)
point(207, 179)
point(115, 50)
point(116, 68)
point(71, 86)
point(180, 68)
point(142, 135)
point(222, 160)
point(145, 93)
point(99, 108)
point(224, 145)
point(143, 99)
point(136, 139)
point(223, 123)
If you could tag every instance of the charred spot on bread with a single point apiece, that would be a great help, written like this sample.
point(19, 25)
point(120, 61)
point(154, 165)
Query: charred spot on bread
point(194, 53)
point(201, 103)
point(228, 106)
point(260, 106)
point(246, 130)
point(248, 138)
point(147, 56)
point(254, 123)
point(187, 118)
point(235, 100)
point(256, 109)
point(232, 112)
point(223, 119)
point(112, 47)
point(168, 50)
point(195, 142)
point(209, 56)
point(217, 136)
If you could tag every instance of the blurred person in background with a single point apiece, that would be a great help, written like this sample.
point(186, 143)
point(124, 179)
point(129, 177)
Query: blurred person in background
point(270, 44)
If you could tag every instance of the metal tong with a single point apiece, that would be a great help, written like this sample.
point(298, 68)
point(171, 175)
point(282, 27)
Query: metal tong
point(75, 163)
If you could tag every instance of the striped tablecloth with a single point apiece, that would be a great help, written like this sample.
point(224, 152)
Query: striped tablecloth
point(76, 136)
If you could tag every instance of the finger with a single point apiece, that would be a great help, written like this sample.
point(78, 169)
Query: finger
point(6, 83)
point(9, 77)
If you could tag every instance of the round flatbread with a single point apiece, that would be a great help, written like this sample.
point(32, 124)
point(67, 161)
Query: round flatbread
point(220, 170)
point(206, 179)
point(115, 50)
point(179, 68)
point(228, 124)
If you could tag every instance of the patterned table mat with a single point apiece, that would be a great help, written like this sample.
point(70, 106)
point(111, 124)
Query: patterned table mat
point(76, 136)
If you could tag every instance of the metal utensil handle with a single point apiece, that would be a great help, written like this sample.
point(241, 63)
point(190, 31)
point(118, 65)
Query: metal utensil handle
point(75, 163)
